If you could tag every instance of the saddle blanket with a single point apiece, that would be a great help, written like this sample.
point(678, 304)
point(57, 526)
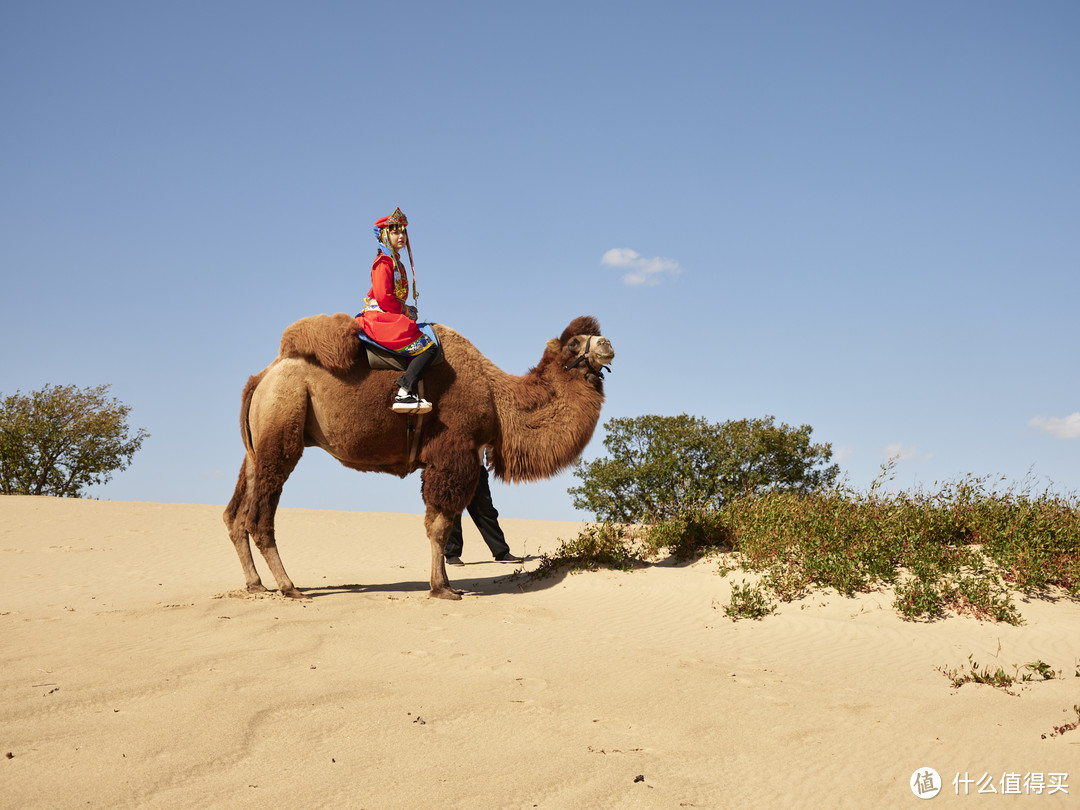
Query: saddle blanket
point(425, 328)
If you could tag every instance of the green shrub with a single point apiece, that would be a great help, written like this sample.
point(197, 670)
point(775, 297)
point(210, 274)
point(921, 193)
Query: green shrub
point(60, 440)
point(607, 545)
point(964, 547)
point(917, 598)
point(748, 602)
point(689, 535)
point(662, 467)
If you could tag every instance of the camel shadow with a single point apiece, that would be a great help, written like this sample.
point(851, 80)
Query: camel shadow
point(514, 582)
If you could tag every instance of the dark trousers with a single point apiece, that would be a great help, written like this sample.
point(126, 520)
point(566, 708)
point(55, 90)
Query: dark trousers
point(416, 368)
point(486, 518)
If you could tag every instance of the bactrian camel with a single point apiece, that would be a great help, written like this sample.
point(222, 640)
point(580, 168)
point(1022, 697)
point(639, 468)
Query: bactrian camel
point(320, 391)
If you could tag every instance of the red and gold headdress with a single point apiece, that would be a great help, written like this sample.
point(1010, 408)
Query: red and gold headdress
point(396, 218)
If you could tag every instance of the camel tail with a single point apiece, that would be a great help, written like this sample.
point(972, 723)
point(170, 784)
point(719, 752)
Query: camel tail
point(239, 498)
point(245, 410)
point(236, 511)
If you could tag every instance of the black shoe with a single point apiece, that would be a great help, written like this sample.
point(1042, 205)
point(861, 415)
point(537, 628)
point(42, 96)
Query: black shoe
point(454, 561)
point(410, 403)
point(508, 557)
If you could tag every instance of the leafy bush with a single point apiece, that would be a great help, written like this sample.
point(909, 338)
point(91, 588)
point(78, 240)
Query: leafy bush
point(918, 598)
point(601, 545)
point(964, 548)
point(60, 439)
point(666, 466)
point(748, 602)
point(688, 536)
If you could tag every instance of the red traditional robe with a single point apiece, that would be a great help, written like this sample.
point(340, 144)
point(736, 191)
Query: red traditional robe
point(386, 318)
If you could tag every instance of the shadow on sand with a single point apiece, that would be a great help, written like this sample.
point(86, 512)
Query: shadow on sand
point(513, 582)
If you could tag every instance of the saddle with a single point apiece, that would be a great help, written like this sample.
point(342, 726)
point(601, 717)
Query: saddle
point(379, 357)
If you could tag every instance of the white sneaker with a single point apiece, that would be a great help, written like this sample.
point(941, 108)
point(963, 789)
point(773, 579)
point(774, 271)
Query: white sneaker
point(410, 403)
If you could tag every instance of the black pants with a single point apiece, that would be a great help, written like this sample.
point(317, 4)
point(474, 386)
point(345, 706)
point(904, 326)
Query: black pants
point(416, 368)
point(486, 518)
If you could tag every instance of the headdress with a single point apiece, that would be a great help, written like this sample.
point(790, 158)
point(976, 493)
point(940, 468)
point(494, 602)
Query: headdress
point(396, 218)
point(382, 233)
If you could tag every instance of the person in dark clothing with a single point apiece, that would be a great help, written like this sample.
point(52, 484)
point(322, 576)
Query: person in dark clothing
point(486, 518)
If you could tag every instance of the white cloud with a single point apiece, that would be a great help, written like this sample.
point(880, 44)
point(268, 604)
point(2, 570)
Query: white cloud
point(1067, 428)
point(905, 452)
point(641, 270)
point(844, 452)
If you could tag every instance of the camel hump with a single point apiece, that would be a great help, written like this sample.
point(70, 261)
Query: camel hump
point(326, 340)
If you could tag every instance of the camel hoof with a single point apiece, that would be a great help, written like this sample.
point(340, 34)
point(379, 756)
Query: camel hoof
point(293, 593)
point(258, 587)
point(447, 593)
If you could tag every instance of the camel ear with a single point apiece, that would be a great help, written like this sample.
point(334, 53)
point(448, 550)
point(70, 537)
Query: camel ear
point(554, 345)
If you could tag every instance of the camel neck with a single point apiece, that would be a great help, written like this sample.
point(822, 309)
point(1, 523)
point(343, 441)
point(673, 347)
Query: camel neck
point(545, 421)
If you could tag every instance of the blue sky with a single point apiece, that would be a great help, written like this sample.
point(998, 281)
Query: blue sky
point(860, 216)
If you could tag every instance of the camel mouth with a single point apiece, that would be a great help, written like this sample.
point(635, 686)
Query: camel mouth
point(604, 353)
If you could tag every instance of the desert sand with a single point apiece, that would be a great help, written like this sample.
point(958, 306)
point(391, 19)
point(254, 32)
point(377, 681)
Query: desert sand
point(136, 672)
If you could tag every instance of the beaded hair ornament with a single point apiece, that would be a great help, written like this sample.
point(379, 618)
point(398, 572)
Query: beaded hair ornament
point(382, 233)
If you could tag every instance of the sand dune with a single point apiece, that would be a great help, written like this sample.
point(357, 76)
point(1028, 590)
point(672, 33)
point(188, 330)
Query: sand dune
point(136, 674)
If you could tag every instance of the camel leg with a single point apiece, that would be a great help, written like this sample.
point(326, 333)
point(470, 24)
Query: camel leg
point(236, 520)
point(438, 523)
point(277, 452)
point(268, 547)
point(446, 488)
point(265, 540)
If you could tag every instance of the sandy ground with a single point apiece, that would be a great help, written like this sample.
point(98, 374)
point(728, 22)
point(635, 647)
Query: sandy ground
point(135, 673)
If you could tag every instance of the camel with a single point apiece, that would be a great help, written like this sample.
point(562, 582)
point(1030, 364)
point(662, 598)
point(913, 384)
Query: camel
point(320, 391)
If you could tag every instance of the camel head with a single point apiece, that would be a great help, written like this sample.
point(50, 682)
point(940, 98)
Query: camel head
point(581, 350)
point(547, 417)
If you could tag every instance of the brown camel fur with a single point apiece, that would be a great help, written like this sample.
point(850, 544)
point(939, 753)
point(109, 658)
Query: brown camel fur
point(316, 393)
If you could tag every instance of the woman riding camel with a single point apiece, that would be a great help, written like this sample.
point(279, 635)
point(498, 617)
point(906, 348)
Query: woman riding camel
point(388, 320)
